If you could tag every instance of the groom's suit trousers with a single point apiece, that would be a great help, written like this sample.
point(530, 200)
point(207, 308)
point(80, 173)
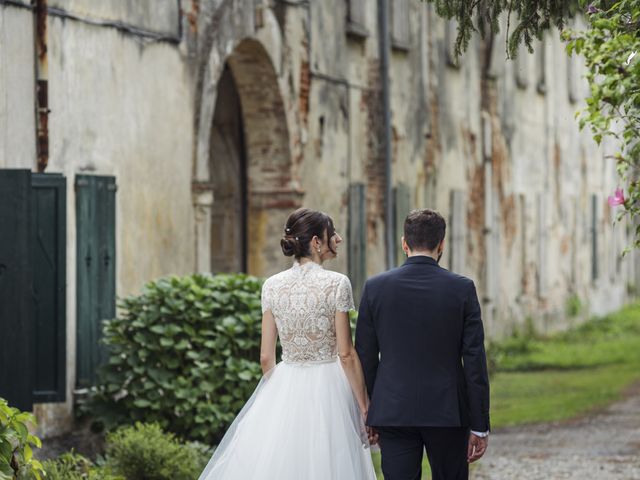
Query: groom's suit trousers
point(403, 449)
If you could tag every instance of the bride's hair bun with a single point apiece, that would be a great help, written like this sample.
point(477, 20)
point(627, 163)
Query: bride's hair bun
point(289, 246)
point(302, 225)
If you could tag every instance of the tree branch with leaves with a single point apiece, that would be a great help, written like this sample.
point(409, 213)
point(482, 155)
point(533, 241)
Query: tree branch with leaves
point(610, 46)
point(531, 18)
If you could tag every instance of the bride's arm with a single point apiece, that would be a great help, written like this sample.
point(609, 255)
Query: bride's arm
point(350, 360)
point(268, 342)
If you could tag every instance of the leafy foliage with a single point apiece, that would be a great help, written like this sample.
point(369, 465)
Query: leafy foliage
point(73, 466)
point(611, 49)
point(574, 306)
point(146, 452)
point(521, 342)
point(532, 19)
point(183, 354)
point(16, 453)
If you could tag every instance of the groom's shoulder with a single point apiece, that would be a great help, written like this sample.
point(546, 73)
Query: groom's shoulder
point(456, 278)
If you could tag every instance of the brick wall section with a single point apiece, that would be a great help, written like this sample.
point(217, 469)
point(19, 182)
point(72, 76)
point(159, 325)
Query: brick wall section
point(374, 163)
point(305, 90)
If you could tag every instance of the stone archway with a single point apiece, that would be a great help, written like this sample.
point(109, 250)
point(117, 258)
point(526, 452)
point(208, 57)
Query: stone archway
point(267, 191)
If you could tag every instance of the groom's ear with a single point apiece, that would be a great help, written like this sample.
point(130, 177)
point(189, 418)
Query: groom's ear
point(405, 245)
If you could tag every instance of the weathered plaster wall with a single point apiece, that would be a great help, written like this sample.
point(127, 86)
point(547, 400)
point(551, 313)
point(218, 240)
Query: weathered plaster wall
point(17, 103)
point(120, 105)
point(157, 16)
point(529, 241)
point(131, 118)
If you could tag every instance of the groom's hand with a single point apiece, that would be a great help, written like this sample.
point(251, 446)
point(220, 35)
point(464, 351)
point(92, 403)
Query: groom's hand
point(477, 447)
point(373, 435)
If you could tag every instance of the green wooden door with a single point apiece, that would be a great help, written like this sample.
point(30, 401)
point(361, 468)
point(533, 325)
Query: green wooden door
point(96, 253)
point(15, 288)
point(48, 250)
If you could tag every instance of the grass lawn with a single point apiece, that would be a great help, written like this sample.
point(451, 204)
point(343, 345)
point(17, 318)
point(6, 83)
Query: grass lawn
point(542, 379)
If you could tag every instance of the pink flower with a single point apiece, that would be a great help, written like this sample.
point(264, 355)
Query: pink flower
point(617, 199)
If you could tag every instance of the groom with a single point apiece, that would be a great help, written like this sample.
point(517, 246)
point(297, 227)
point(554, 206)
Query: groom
point(421, 343)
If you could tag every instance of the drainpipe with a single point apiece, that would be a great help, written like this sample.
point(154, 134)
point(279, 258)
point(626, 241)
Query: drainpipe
point(385, 48)
point(42, 84)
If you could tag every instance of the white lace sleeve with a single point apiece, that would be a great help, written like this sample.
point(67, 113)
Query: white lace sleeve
point(265, 297)
point(344, 295)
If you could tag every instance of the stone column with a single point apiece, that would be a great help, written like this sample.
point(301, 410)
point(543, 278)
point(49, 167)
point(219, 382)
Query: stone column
point(202, 194)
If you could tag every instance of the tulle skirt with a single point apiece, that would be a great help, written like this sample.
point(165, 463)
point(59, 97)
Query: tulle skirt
point(301, 423)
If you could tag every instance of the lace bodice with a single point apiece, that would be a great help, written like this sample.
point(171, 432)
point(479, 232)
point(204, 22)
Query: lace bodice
point(304, 301)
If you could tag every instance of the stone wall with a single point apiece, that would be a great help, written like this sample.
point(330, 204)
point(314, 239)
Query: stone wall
point(490, 143)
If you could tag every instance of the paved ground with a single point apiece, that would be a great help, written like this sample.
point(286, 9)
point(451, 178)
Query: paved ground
point(603, 446)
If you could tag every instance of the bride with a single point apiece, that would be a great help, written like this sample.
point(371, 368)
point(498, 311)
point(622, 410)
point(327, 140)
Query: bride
point(305, 418)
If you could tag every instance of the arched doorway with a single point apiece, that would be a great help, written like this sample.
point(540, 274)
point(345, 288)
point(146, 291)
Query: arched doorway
point(228, 167)
point(243, 201)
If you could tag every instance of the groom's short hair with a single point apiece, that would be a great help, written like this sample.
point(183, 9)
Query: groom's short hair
point(424, 229)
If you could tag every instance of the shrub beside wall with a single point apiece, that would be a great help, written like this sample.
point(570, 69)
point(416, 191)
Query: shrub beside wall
point(144, 451)
point(183, 354)
point(16, 445)
point(73, 466)
point(138, 452)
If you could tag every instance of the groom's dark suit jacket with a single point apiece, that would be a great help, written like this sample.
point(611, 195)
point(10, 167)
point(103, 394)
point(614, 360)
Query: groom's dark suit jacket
point(420, 339)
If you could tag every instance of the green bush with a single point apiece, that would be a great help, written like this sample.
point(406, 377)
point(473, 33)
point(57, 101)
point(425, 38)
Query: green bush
point(184, 354)
point(502, 353)
point(73, 466)
point(16, 454)
point(574, 306)
point(146, 452)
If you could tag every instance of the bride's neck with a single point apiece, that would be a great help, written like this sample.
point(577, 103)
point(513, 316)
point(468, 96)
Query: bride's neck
point(314, 259)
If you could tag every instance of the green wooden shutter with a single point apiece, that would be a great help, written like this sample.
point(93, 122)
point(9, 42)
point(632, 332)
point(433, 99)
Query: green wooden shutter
point(15, 288)
point(48, 249)
point(96, 253)
point(457, 232)
point(106, 226)
point(402, 207)
point(357, 238)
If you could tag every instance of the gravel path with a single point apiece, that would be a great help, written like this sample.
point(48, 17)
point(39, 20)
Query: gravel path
point(603, 446)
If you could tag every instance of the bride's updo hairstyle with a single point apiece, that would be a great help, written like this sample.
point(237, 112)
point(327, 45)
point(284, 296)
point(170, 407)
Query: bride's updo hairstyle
point(302, 225)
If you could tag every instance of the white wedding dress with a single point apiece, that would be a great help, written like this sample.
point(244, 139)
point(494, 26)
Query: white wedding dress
point(302, 422)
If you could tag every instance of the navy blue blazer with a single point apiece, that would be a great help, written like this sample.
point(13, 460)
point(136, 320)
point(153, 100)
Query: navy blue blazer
point(420, 339)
